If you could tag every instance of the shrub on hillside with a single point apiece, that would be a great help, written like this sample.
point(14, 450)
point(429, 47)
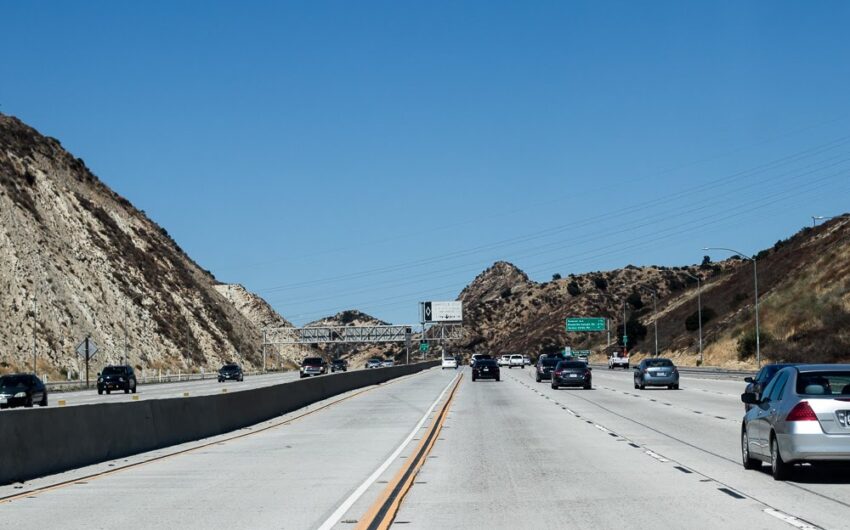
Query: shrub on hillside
point(747, 344)
point(635, 300)
point(738, 298)
point(506, 292)
point(600, 283)
point(573, 288)
point(635, 331)
point(692, 322)
point(556, 276)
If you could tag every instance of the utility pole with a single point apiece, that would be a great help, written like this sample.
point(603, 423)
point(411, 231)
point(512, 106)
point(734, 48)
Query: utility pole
point(34, 323)
point(264, 350)
point(756, 282)
point(125, 333)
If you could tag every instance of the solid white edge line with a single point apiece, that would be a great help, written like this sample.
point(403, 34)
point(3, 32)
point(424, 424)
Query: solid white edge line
point(354, 497)
point(790, 519)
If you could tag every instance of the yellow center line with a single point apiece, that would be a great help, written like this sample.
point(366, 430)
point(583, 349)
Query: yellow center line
point(382, 513)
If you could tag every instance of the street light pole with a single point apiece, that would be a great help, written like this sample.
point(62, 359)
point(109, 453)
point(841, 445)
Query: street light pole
point(699, 311)
point(756, 283)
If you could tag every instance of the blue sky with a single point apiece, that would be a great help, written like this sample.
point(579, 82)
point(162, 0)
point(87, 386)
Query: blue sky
point(335, 155)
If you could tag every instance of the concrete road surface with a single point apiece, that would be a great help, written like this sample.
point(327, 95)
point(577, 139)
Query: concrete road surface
point(512, 454)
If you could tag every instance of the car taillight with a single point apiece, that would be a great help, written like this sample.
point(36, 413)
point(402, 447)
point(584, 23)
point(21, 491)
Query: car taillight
point(557, 372)
point(802, 412)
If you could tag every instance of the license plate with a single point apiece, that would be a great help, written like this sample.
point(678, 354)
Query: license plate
point(486, 369)
point(843, 418)
point(661, 374)
point(573, 375)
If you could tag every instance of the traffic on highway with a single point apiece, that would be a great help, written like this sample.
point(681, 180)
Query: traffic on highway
point(716, 449)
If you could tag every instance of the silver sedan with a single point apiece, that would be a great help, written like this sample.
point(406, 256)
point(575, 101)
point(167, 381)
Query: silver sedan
point(803, 415)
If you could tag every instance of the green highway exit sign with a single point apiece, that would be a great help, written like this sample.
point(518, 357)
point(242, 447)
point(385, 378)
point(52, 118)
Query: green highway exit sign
point(586, 324)
point(423, 347)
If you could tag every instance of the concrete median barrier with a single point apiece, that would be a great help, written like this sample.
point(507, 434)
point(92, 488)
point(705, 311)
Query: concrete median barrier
point(40, 442)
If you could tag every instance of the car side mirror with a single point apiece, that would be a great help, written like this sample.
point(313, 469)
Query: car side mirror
point(98, 374)
point(748, 379)
point(750, 398)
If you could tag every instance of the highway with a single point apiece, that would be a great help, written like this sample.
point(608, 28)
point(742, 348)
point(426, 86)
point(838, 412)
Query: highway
point(200, 387)
point(507, 454)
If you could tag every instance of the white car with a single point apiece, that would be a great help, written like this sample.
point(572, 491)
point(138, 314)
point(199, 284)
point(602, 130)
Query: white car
point(449, 362)
point(527, 360)
point(516, 360)
point(618, 359)
point(504, 360)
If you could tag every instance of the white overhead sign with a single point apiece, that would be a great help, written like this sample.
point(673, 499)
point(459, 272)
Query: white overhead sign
point(443, 312)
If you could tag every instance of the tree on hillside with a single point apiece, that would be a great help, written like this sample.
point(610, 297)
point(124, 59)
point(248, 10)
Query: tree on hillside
point(635, 331)
point(556, 276)
point(573, 288)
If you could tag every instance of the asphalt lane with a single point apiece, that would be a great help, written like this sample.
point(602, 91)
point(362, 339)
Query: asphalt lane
point(294, 475)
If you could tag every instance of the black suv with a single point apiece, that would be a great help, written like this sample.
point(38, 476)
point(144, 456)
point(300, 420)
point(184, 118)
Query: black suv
point(22, 390)
point(230, 371)
point(116, 378)
point(339, 365)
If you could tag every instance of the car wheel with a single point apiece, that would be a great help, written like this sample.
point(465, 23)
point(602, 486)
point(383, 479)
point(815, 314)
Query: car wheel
point(497, 379)
point(127, 389)
point(780, 469)
point(473, 378)
point(108, 391)
point(99, 391)
point(538, 378)
point(43, 402)
point(134, 386)
point(642, 386)
point(554, 386)
point(28, 403)
point(627, 367)
point(588, 387)
point(676, 386)
point(636, 386)
point(749, 463)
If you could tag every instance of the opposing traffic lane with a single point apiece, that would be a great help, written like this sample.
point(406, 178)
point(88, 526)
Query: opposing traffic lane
point(292, 475)
point(202, 387)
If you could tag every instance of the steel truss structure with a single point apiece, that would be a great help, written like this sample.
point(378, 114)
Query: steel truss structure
point(336, 335)
point(444, 332)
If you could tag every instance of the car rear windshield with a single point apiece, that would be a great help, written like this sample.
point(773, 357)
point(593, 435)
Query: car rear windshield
point(312, 361)
point(658, 363)
point(485, 362)
point(12, 381)
point(835, 383)
point(571, 364)
point(113, 370)
point(230, 367)
point(549, 362)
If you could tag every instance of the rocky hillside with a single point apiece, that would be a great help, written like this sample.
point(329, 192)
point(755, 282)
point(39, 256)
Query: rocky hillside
point(78, 259)
point(804, 285)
